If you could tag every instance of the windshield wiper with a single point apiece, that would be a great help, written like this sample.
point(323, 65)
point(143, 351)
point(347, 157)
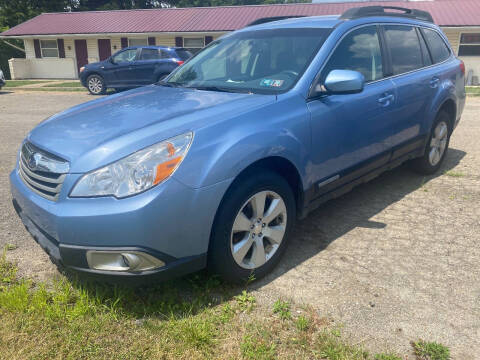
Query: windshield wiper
point(220, 89)
point(168, 84)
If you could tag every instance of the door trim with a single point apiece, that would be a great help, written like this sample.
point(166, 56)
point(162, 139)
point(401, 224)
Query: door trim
point(360, 173)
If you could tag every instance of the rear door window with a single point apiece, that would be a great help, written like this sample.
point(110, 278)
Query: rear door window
point(358, 51)
point(438, 48)
point(427, 60)
point(404, 46)
point(183, 54)
point(150, 54)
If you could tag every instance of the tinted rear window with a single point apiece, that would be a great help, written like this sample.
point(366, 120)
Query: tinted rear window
point(426, 54)
point(405, 50)
point(150, 54)
point(184, 54)
point(438, 48)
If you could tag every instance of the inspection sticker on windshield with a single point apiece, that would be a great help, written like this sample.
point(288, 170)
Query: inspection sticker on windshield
point(271, 83)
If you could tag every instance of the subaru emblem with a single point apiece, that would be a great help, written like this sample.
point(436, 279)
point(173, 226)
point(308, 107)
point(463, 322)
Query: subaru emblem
point(33, 161)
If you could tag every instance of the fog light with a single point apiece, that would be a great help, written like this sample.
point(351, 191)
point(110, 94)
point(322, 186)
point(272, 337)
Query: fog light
point(122, 261)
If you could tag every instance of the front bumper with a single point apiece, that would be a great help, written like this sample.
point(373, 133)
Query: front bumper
point(171, 222)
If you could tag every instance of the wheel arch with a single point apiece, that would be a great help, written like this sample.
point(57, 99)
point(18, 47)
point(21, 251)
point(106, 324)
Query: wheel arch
point(450, 107)
point(278, 164)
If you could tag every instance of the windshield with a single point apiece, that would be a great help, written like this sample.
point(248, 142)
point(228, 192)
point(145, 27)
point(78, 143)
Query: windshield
point(262, 61)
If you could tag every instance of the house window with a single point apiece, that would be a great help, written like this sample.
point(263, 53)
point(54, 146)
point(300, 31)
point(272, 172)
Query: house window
point(194, 45)
point(49, 48)
point(469, 45)
point(138, 42)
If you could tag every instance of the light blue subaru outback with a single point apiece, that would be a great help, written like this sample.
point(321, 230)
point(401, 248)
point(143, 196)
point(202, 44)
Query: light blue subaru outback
point(212, 166)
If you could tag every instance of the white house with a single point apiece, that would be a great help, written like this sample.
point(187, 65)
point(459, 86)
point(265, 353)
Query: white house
point(58, 44)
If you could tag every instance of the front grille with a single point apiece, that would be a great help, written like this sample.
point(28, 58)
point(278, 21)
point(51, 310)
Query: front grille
point(41, 171)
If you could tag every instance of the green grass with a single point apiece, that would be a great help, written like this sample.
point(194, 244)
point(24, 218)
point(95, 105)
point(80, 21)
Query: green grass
point(302, 323)
point(454, 174)
point(258, 347)
point(54, 89)
point(16, 83)
point(430, 351)
point(66, 84)
point(245, 301)
point(197, 317)
point(388, 356)
point(282, 308)
point(473, 90)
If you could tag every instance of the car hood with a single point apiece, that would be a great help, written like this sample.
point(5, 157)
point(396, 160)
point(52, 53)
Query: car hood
point(100, 131)
point(95, 65)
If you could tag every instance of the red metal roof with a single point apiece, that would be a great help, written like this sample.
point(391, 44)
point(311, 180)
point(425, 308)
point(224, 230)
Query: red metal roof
point(226, 18)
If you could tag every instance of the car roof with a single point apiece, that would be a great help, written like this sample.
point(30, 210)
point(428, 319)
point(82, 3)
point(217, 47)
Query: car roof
point(158, 47)
point(326, 21)
point(329, 21)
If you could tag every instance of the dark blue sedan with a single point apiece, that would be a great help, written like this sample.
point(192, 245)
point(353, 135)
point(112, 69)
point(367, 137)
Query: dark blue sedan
point(132, 66)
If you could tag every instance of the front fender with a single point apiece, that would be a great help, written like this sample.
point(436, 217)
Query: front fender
point(222, 152)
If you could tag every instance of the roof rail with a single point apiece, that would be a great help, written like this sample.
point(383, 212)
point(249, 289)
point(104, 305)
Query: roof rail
point(367, 11)
point(273, 18)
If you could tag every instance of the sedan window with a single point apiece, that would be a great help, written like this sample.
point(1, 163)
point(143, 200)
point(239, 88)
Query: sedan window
point(125, 56)
point(150, 54)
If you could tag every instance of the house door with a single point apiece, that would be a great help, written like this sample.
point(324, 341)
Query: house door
point(81, 53)
point(104, 49)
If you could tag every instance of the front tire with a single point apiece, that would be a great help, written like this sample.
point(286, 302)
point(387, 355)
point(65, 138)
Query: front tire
point(252, 226)
point(437, 146)
point(96, 85)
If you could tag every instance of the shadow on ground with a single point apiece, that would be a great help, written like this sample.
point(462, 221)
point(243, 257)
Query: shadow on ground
point(349, 212)
point(353, 210)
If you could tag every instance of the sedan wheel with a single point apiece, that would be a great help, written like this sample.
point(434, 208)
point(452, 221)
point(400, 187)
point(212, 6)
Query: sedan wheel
point(258, 229)
point(96, 85)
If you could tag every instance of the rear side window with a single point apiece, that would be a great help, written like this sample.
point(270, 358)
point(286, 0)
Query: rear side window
point(438, 48)
point(183, 54)
point(150, 54)
point(404, 46)
point(427, 60)
point(358, 51)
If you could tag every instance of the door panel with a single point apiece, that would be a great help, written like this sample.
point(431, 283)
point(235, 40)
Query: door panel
point(414, 84)
point(145, 65)
point(349, 130)
point(104, 49)
point(81, 53)
point(123, 67)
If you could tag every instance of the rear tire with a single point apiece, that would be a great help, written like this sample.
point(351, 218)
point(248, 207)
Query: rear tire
point(96, 85)
point(252, 226)
point(437, 146)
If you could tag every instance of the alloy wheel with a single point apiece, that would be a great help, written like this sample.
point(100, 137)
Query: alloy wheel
point(95, 85)
point(258, 230)
point(438, 144)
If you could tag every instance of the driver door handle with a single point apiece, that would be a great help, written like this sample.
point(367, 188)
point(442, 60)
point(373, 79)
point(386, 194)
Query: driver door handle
point(434, 82)
point(386, 99)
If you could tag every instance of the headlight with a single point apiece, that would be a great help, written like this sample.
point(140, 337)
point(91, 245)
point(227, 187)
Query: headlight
point(137, 172)
point(1, 75)
point(82, 68)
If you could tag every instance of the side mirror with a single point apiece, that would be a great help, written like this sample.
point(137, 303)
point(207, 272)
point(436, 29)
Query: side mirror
point(344, 82)
point(111, 60)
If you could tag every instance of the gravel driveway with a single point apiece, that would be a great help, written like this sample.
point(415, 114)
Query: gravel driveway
point(395, 260)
